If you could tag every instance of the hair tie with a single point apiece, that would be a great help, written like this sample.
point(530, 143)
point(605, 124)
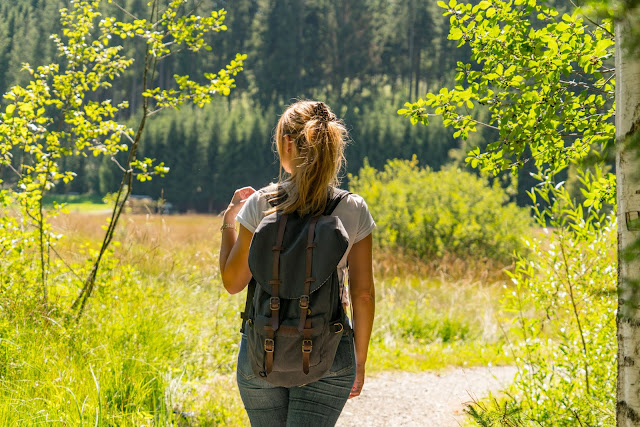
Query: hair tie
point(321, 113)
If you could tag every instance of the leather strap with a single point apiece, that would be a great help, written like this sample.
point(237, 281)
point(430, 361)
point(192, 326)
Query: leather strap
point(307, 346)
point(269, 348)
point(305, 311)
point(304, 298)
point(274, 302)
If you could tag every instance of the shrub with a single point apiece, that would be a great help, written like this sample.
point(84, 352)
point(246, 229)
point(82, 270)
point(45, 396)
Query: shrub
point(564, 334)
point(415, 321)
point(448, 212)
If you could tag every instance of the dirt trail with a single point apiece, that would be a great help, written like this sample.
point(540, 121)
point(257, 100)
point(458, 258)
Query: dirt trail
point(422, 399)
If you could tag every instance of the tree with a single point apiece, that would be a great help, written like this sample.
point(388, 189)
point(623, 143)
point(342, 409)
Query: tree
point(628, 188)
point(627, 17)
point(547, 83)
point(63, 112)
point(177, 190)
point(548, 89)
point(212, 153)
point(278, 25)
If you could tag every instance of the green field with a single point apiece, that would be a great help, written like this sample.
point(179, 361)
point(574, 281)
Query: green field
point(159, 337)
point(78, 203)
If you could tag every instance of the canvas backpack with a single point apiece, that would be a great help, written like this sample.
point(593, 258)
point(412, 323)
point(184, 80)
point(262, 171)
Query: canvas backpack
point(294, 317)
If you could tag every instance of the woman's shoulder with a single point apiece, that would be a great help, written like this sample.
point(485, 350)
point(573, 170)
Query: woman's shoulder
point(270, 191)
point(254, 209)
point(355, 201)
point(355, 215)
point(258, 202)
point(270, 188)
point(260, 196)
point(353, 205)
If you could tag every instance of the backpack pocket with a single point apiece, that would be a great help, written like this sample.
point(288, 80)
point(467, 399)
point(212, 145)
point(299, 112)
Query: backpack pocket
point(288, 355)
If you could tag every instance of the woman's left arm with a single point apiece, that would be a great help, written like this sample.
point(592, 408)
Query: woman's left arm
point(363, 301)
point(234, 246)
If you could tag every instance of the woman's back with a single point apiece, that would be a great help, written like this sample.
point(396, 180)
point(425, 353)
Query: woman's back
point(310, 142)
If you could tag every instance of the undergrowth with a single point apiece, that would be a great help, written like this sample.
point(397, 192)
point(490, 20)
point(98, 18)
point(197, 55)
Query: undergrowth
point(563, 331)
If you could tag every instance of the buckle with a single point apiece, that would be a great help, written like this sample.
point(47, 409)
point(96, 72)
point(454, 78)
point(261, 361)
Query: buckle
point(274, 303)
point(306, 346)
point(341, 327)
point(268, 345)
point(304, 301)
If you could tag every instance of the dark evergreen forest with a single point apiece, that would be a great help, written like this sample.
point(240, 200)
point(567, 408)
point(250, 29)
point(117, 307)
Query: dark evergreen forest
point(365, 58)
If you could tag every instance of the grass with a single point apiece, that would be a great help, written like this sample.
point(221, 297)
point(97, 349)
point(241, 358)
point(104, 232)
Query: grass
point(78, 203)
point(427, 322)
point(157, 344)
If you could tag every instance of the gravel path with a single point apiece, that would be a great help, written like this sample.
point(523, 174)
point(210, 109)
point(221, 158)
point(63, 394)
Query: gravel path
point(422, 399)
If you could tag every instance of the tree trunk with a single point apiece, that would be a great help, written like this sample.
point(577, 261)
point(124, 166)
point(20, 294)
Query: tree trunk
point(628, 187)
point(411, 40)
point(418, 60)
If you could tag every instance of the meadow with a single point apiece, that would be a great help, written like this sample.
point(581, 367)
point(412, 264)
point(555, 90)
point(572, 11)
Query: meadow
point(157, 343)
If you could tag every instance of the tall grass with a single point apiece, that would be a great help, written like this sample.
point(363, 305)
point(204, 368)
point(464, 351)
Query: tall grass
point(434, 321)
point(157, 344)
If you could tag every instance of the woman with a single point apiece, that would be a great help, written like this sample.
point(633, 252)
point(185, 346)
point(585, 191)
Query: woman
point(310, 142)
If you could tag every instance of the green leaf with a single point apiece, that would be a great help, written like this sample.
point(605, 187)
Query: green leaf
point(455, 34)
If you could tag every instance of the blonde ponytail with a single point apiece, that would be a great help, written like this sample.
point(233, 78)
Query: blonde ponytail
point(319, 138)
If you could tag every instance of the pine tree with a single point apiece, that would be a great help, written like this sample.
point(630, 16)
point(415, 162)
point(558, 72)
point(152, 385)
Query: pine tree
point(211, 183)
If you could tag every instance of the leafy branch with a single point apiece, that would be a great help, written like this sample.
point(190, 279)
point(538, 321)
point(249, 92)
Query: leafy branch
point(543, 78)
point(54, 115)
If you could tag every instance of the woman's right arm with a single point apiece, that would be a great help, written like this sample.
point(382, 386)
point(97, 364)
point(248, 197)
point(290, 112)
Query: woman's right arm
point(234, 246)
point(363, 297)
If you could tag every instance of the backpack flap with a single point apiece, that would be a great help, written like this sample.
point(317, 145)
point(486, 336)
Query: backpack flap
point(331, 241)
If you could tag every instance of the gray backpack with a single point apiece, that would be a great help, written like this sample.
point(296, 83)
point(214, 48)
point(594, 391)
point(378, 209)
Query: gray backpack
point(294, 317)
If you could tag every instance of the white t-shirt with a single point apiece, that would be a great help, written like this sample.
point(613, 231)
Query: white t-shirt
point(352, 211)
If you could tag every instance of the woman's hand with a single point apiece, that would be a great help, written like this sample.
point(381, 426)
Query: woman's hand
point(239, 197)
point(359, 382)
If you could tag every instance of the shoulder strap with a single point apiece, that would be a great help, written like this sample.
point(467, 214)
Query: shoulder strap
point(336, 197)
point(282, 196)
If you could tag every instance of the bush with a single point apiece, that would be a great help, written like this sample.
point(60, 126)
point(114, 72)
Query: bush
point(449, 212)
point(564, 334)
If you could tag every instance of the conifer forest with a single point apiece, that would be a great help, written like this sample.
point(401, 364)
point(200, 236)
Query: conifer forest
point(365, 58)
